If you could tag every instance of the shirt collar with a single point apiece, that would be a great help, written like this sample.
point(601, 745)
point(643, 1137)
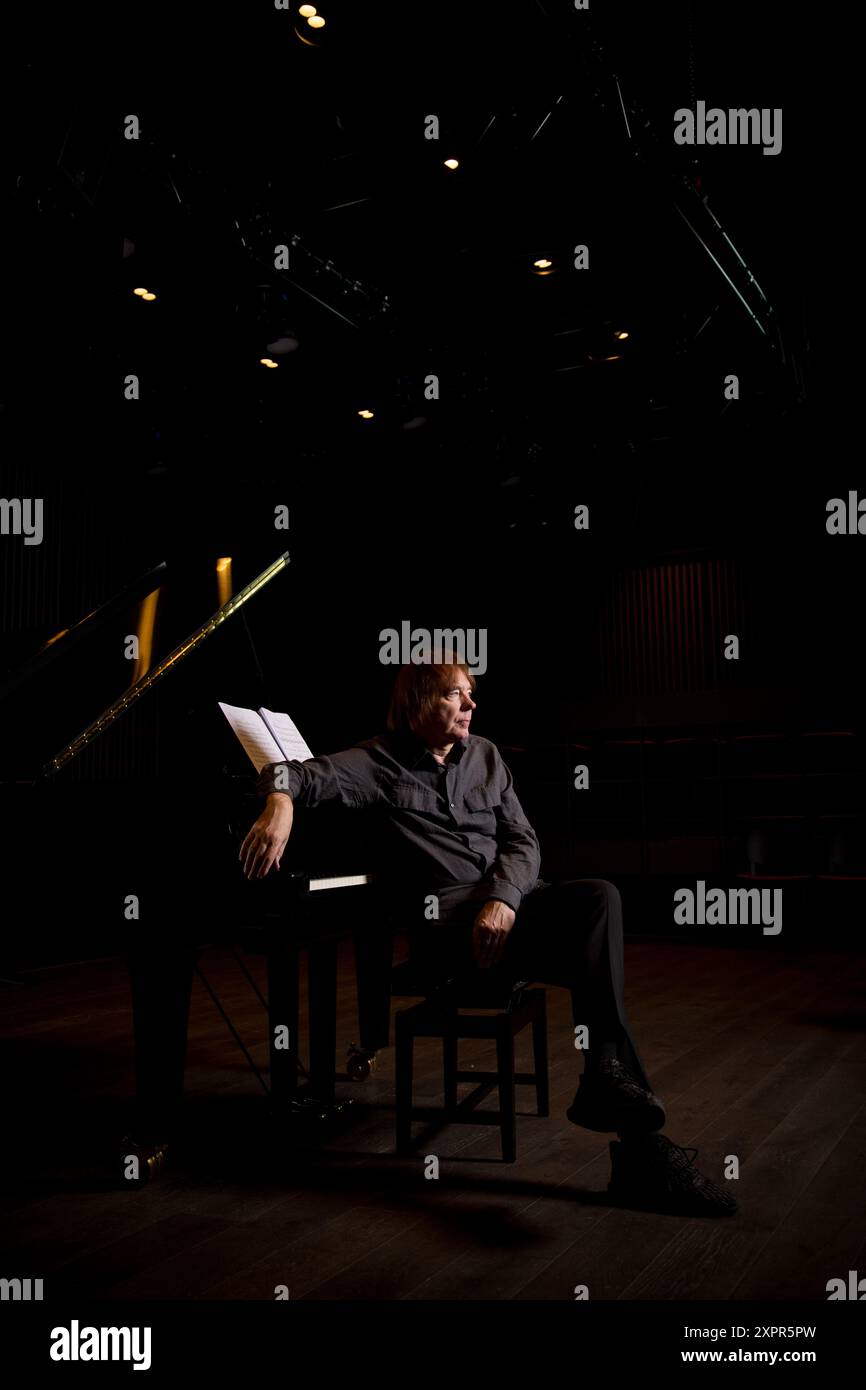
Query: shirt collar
point(416, 749)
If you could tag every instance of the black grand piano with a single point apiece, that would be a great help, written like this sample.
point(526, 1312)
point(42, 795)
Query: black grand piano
point(132, 819)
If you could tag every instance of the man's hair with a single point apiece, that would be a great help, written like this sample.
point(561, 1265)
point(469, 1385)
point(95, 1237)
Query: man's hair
point(418, 688)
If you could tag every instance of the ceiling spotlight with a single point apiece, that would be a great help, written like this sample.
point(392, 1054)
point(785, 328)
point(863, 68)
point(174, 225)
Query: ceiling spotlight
point(146, 295)
point(366, 414)
point(140, 291)
point(268, 362)
point(307, 11)
point(542, 264)
point(315, 21)
point(452, 163)
point(621, 334)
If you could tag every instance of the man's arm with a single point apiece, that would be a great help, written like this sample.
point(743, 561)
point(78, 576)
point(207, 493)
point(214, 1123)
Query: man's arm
point(514, 872)
point(267, 837)
point(348, 777)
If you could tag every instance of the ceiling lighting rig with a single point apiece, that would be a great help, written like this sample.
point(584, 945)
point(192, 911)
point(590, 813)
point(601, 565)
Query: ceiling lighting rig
point(598, 76)
point(317, 277)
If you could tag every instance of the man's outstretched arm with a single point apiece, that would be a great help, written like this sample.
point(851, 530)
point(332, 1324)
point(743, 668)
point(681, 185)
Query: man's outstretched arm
point(347, 777)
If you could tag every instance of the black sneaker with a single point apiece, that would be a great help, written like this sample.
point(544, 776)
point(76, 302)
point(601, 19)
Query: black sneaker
point(609, 1098)
point(654, 1173)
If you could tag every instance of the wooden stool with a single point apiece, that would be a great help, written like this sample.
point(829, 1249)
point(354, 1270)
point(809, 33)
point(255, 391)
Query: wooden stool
point(438, 1017)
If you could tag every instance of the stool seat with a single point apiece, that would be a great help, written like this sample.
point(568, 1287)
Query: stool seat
point(474, 989)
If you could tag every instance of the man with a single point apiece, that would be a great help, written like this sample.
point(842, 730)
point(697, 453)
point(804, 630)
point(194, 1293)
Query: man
point(462, 862)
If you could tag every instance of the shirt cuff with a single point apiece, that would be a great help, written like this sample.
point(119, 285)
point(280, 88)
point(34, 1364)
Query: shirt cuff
point(266, 780)
point(505, 893)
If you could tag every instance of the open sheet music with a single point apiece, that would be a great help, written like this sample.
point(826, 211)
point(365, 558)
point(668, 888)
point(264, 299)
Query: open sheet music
point(266, 737)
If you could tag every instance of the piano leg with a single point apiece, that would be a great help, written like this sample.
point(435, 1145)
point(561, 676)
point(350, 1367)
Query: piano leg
point(310, 1108)
point(323, 1016)
point(283, 1016)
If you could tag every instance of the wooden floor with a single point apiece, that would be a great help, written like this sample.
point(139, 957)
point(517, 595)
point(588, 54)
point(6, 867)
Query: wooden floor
point(756, 1052)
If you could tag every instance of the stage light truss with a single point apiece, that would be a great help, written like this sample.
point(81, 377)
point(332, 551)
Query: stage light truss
point(611, 96)
point(314, 276)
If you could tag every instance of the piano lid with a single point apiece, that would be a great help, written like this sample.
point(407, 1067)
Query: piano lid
point(90, 697)
point(62, 642)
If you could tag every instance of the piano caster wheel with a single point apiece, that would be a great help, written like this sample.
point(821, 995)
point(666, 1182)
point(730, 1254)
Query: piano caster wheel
point(150, 1160)
point(360, 1063)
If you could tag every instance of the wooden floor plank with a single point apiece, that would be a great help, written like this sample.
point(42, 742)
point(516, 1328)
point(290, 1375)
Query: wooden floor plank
point(821, 1237)
point(755, 1051)
point(617, 1243)
point(552, 1168)
point(812, 1105)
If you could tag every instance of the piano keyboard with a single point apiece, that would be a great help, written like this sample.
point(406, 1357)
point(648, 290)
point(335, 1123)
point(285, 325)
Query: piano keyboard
point(340, 881)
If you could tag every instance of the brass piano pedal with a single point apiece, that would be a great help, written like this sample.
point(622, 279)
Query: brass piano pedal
point(339, 1109)
point(310, 1117)
point(360, 1062)
point(140, 1162)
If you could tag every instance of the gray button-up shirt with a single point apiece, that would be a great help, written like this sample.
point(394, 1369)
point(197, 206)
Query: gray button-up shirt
point(457, 831)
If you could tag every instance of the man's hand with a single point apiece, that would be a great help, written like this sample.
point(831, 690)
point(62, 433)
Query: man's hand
point(490, 932)
point(267, 838)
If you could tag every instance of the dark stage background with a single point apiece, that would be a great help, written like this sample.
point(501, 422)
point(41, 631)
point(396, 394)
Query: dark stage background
point(447, 386)
point(707, 516)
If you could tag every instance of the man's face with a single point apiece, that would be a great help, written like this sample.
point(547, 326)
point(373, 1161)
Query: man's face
point(450, 717)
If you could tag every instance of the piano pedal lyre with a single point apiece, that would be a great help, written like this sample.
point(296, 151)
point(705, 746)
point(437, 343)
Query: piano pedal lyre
point(361, 1062)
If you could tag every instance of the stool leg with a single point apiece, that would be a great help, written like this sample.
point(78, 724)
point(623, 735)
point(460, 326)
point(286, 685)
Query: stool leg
point(449, 1064)
point(405, 1047)
point(539, 1052)
point(507, 1096)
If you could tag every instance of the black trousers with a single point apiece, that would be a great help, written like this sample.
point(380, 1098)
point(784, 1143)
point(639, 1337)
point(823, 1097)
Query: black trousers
point(566, 933)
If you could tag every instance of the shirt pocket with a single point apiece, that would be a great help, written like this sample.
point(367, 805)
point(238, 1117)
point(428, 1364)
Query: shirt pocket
point(410, 796)
point(480, 802)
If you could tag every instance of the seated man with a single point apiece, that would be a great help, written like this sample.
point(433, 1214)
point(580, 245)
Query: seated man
point(458, 848)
